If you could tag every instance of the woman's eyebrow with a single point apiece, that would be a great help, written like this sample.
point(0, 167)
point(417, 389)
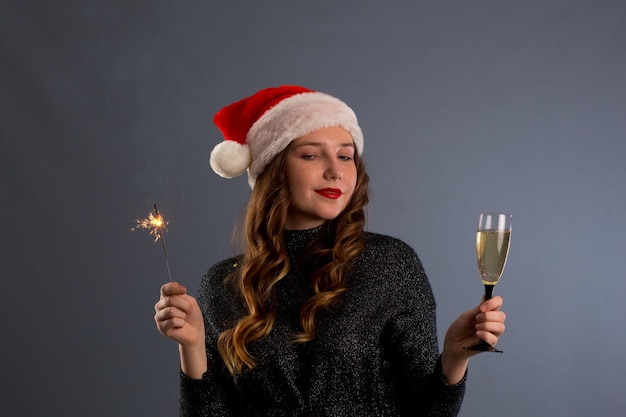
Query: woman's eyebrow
point(342, 145)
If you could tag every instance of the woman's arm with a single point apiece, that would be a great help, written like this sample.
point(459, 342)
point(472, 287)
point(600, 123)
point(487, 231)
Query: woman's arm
point(178, 317)
point(484, 322)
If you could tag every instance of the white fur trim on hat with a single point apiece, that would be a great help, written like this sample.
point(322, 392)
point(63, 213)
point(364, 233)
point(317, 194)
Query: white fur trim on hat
point(230, 159)
point(293, 118)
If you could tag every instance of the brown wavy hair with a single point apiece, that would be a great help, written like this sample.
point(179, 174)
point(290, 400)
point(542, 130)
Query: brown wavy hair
point(265, 261)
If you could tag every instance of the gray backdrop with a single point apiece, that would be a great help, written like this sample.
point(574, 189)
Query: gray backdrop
point(466, 106)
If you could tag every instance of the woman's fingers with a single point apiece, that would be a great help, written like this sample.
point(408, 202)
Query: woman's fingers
point(490, 326)
point(497, 328)
point(495, 316)
point(181, 302)
point(178, 316)
point(488, 336)
point(171, 323)
point(172, 309)
point(168, 313)
point(492, 304)
point(172, 288)
point(489, 322)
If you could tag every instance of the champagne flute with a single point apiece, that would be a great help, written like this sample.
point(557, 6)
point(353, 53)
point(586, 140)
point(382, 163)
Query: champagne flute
point(493, 237)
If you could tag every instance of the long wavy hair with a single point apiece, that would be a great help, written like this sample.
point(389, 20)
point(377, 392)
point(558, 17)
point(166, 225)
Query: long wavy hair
point(265, 261)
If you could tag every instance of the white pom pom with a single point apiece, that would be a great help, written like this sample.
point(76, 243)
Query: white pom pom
point(230, 159)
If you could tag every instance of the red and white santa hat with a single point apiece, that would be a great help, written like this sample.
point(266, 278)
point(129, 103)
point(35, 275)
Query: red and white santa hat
point(259, 127)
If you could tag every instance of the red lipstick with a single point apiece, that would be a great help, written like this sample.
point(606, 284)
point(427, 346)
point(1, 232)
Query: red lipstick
point(333, 193)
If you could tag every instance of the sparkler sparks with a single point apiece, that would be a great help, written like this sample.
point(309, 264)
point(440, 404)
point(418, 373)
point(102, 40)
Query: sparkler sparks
point(155, 224)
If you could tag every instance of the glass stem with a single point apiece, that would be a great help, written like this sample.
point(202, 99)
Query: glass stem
point(488, 291)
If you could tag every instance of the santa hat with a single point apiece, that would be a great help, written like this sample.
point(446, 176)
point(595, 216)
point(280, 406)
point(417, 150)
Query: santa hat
point(259, 127)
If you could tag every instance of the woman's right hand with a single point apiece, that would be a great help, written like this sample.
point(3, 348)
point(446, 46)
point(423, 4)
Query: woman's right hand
point(178, 316)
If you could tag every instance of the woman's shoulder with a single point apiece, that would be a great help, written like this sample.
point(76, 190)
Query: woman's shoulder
point(391, 266)
point(385, 243)
point(217, 296)
point(224, 267)
point(214, 280)
point(390, 255)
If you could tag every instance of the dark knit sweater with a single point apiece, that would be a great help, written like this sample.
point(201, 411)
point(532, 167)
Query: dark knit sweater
point(375, 353)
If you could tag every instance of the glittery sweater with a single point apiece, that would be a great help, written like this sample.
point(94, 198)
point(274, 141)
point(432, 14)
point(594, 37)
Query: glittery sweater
point(375, 353)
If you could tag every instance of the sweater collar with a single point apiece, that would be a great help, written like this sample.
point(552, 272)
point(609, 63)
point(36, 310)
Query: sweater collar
point(296, 241)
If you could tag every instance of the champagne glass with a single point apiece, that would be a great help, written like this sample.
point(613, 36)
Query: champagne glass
point(493, 237)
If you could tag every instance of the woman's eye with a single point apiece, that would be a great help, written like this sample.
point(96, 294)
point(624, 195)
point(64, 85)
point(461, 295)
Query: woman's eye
point(345, 157)
point(308, 156)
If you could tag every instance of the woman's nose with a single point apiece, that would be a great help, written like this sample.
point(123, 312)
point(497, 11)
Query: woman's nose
point(333, 170)
point(334, 174)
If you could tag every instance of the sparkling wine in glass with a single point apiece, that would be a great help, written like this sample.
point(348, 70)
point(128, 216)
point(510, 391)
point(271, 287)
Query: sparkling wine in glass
point(493, 237)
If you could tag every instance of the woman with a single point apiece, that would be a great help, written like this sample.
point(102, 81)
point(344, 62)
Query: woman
point(317, 317)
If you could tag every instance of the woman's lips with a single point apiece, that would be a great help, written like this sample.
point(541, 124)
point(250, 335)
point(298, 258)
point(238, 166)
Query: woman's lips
point(333, 193)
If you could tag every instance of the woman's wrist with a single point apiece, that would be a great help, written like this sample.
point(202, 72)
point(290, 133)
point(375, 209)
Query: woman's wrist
point(193, 360)
point(453, 367)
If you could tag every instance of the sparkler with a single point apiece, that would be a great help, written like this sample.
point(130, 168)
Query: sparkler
point(155, 224)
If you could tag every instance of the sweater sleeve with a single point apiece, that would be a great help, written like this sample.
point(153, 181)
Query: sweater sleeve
point(201, 397)
point(412, 343)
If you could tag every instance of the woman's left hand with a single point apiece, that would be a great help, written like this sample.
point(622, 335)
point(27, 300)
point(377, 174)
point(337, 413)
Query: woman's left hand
point(484, 322)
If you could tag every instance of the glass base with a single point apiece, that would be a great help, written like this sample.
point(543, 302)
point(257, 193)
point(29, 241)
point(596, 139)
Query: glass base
point(483, 347)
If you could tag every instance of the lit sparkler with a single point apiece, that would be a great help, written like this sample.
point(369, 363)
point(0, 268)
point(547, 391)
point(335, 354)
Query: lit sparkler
point(156, 224)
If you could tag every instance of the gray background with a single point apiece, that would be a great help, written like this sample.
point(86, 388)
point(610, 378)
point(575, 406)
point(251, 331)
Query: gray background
point(466, 106)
